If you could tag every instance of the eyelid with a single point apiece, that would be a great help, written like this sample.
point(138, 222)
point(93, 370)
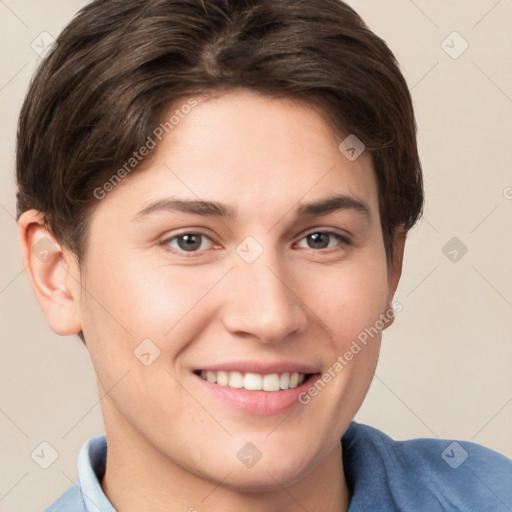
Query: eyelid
point(335, 231)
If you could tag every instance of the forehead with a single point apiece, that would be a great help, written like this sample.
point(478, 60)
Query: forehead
point(260, 155)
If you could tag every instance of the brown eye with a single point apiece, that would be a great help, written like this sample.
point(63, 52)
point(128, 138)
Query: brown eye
point(186, 242)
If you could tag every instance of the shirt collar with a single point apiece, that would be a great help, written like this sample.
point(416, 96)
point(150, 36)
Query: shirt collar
point(91, 468)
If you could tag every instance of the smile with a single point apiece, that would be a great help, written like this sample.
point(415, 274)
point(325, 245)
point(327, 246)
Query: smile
point(254, 381)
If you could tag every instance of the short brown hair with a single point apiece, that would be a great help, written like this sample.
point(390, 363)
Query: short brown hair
point(119, 65)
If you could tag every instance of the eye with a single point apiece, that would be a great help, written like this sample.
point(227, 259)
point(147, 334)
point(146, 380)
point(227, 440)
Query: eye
point(320, 239)
point(186, 242)
point(189, 243)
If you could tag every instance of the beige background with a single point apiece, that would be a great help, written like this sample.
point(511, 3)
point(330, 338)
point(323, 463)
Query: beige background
point(445, 368)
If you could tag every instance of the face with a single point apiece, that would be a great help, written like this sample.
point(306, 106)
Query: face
point(195, 321)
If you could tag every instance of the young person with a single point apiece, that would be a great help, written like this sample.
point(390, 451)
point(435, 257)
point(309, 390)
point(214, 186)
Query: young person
point(215, 197)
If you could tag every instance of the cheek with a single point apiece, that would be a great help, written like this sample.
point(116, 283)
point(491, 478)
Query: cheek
point(129, 312)
point(350, 301)
point(126, 303)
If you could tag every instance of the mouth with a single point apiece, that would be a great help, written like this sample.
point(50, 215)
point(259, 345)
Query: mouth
point(254, 387)
point(271, 382)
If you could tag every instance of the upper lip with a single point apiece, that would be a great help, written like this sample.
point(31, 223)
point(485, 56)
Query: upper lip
point(260, 367)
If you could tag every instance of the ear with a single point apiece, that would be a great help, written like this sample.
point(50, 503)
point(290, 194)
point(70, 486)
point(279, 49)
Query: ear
point(52, 272)
point(395, 267)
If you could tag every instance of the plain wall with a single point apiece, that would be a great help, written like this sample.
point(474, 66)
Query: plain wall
point(445, 366)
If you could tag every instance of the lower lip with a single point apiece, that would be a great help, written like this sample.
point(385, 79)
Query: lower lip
point(259, 403)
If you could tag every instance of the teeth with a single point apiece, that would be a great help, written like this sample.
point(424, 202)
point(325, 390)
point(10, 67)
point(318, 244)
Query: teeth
point(222, 378)
point(236, 380)
point(255, 381)
point(271, 382)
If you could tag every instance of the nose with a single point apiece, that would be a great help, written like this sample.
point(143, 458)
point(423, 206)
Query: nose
point(262, 300)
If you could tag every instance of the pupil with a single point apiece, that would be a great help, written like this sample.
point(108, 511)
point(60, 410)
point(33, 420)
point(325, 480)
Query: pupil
point(191, 242)
point(317, 236)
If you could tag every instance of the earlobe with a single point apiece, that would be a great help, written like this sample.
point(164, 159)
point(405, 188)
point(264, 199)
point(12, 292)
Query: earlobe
point(52, 272)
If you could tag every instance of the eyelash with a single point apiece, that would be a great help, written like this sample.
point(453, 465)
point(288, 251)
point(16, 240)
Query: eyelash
point(343, 239)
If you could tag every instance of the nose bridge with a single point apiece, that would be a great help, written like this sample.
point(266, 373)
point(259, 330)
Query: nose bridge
point(262, 301)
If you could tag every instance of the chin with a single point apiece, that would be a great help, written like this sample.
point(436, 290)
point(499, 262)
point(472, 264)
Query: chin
point(270, 473)
point(262, 480)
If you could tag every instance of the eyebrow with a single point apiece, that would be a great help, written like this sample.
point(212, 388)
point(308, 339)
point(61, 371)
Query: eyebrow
point(330, 204)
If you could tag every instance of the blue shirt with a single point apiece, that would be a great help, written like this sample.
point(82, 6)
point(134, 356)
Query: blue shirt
point(417, 475)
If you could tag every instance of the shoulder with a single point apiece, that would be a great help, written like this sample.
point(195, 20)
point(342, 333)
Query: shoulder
point(429, 449)
point(425, 472)
point(70, 500)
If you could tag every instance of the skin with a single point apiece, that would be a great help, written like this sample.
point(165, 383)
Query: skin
point(297, 301)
